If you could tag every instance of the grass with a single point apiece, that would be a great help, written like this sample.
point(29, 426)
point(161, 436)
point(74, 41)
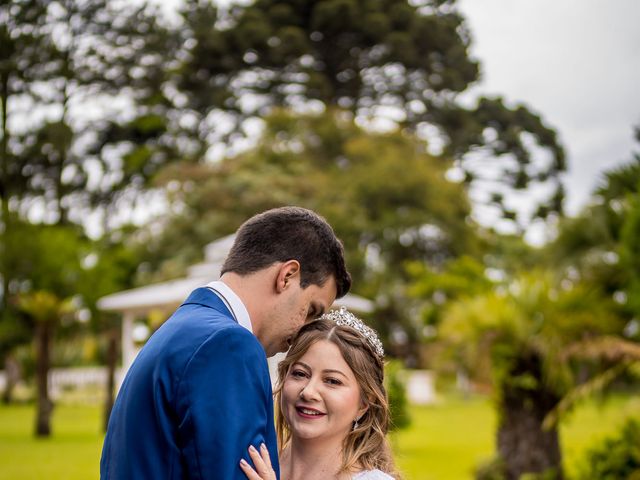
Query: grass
point(447, 441)
point(73, 451)
point(444, 442)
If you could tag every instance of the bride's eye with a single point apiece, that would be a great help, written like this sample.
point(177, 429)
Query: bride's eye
point(333, 381)
point(298, 373)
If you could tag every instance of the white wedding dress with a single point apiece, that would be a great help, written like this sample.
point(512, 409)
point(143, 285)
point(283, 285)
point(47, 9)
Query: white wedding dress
point(372, 475)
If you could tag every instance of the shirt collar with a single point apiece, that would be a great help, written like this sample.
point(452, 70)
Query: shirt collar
point(238, 310)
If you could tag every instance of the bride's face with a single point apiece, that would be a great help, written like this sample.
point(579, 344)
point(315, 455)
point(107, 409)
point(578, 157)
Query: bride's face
point(321, 397)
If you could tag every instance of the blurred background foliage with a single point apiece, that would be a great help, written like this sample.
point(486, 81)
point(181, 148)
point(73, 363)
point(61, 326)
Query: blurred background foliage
point(130, 139)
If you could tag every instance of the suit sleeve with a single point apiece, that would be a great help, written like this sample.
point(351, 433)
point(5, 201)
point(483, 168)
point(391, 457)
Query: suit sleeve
point(224, 404)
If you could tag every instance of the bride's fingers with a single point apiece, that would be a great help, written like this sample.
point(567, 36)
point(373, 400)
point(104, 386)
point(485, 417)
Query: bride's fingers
point(248, 471)
point(262, 462)
point(264, 452)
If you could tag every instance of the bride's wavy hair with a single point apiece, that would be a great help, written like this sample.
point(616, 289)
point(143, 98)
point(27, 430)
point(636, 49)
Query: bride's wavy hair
point(365, 446)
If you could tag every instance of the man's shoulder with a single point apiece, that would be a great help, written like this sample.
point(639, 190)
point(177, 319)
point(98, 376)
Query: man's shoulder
point(201, 330)
point(233, 340)
point(210, 329)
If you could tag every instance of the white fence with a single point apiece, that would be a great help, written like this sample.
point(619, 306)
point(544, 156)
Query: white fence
point(61, 379)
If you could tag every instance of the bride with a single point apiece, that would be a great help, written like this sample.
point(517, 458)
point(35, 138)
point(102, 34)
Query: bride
point(332, 409)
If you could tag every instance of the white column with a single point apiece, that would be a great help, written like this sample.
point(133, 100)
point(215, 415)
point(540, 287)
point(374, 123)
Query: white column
point(128, 346)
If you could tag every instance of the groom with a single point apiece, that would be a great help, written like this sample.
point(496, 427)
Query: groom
point(199, 391)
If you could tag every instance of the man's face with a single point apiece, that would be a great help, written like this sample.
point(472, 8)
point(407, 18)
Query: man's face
point(295, 307)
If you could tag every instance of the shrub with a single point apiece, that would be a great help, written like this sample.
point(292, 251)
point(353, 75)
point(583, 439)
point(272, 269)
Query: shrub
point(615, 458)
point(396, 390)
point(492, 470)
point(496, 469)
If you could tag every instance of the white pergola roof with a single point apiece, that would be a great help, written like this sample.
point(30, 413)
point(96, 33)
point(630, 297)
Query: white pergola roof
point(160, 296)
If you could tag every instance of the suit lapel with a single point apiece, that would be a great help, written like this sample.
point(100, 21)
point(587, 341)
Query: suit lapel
point(205, 297)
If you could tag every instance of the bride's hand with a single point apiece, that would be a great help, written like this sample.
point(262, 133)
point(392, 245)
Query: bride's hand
point(262, 461)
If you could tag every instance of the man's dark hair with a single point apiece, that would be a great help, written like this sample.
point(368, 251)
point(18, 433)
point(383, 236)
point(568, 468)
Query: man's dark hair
point(290, 233)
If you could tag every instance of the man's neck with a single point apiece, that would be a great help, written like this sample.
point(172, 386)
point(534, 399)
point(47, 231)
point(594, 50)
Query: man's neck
point(253, 291)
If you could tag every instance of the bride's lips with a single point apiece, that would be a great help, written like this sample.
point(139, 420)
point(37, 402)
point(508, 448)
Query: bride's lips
point(308, 412)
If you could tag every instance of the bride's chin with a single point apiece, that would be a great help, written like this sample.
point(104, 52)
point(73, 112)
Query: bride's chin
point(304, 433)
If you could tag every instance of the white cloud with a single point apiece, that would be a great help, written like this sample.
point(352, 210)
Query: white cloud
point(574, 62)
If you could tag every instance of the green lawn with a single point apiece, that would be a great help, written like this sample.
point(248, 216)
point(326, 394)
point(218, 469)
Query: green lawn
point(447, 441)
point(444, 442)
point(72, 453)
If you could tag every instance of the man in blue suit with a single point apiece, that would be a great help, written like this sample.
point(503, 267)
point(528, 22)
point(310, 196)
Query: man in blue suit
point(199, 393)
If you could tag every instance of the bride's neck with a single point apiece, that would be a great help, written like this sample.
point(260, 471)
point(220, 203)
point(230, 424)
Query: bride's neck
point(311, 460)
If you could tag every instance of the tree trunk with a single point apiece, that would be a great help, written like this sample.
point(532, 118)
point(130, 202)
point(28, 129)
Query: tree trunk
point(44, 403)
point(112, 360)
point(522, 443)
point(12, 371)
point(4, 193)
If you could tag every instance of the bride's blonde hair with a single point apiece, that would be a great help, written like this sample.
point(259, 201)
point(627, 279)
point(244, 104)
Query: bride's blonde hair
point(366, 446)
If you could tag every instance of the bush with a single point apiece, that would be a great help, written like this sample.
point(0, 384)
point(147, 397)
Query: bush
point(615, 458)
point(492, 470)
point(396, 390)
point(496, 470)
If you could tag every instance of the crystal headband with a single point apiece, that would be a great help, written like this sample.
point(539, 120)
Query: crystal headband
point(348, 319)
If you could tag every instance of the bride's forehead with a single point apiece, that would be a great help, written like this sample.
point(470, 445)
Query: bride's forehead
point(322, 353)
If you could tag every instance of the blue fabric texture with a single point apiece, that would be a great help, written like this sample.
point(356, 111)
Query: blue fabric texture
point(196, 396)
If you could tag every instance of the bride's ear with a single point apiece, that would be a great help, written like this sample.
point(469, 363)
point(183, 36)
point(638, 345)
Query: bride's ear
point(363, 409)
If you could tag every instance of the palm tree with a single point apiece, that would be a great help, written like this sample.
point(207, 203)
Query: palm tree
point(46, 310)
point(520, 332)
point(619, 354)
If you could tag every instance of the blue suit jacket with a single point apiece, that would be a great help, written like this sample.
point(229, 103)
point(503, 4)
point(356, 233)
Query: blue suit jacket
point(197, 395)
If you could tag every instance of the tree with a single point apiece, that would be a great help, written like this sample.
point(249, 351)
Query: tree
point(387, 199)
point(520, 335)
point(53, 257)
point(57, 58)
point(600, 247)
point(406, 61)
point(19, 48)
point(374, 188)
point(113, 264)
point(598, 243)
point(68, 150)
point(45, 309)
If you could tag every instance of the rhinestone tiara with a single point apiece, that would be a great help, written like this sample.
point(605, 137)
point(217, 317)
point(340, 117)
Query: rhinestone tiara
point(348, 319)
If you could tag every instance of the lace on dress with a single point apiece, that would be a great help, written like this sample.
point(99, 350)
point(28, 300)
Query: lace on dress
point(372, 475)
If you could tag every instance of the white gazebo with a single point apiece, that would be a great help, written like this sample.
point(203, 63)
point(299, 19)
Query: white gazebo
point(165, 297)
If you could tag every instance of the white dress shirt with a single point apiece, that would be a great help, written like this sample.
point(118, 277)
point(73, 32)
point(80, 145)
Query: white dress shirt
point(233, 302)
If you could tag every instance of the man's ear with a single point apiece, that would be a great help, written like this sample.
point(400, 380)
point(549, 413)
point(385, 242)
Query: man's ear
point(288, 271)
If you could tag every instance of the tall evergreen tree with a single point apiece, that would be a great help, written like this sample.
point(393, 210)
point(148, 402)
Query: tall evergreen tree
point(65, 149)
point(408, 60)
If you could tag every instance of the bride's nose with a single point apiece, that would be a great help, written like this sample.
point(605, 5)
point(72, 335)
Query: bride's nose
point(309, 391)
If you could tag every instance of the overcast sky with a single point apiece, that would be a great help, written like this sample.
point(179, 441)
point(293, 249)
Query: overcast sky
point(575, 62)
